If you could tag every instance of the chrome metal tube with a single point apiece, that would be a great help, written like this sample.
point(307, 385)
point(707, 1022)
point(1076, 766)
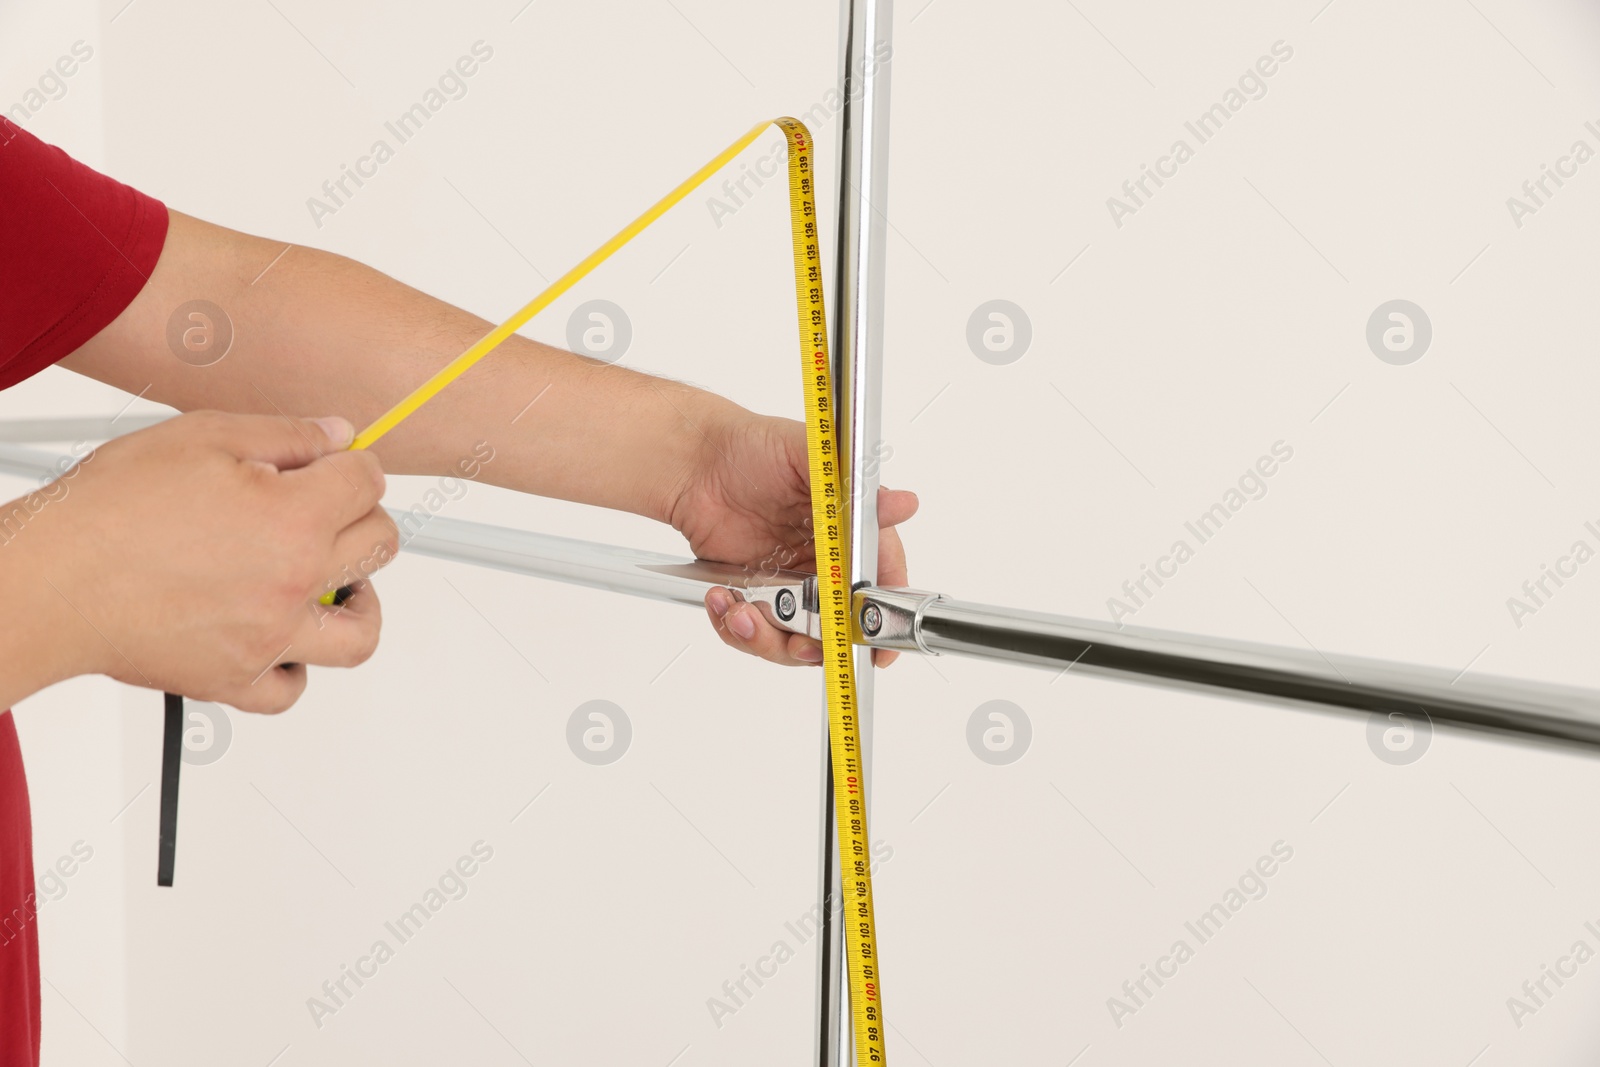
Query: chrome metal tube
point(31, 463)
point(651, 575)
point(865, 49)
point(1263, 672)
point(634, 572)
point(917, 621)
point(91, 429)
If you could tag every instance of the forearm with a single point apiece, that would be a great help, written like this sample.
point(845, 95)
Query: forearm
point(42, 640)
point(319, 334)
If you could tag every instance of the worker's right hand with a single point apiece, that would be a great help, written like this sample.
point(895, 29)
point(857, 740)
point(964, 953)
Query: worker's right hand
point(190, 556)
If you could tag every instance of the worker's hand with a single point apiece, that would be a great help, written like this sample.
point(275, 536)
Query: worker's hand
point(190, 556)
point(749, 503)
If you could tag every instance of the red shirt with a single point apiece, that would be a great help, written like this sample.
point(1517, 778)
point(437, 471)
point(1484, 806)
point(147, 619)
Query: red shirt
point(75, 249)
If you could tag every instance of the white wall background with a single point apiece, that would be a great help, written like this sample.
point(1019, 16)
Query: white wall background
point(1228, 313)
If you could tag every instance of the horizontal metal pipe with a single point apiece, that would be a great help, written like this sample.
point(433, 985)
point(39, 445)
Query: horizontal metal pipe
point(928, 622)
point(634, 572)
point(89, 429)
point(1266, 672)
point(652, 575)
point(28, 463)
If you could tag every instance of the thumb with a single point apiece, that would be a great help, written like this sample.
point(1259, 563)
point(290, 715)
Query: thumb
point(896, 506)
point(288, 444)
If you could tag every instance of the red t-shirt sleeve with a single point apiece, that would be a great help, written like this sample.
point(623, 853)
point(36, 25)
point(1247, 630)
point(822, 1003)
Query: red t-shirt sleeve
point(19, 912)
point(75, 249)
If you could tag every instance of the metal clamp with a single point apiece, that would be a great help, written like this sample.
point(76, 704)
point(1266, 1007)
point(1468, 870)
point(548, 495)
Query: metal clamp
point(891, 617)
point(788, 599)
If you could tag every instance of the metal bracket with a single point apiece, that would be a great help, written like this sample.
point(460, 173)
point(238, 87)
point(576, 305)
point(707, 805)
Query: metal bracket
point(891, 617)
point(787, 598)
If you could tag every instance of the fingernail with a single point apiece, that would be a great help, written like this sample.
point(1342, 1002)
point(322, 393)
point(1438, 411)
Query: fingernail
point(810, 654)
point(720, 602)
point(742, 625)
point(339, 431)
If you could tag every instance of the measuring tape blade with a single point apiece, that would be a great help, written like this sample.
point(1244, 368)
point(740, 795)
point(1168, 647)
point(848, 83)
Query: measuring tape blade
point(492, 340)
point(830, 515)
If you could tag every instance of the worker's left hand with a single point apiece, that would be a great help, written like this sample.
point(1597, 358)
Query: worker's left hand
point(749, 503)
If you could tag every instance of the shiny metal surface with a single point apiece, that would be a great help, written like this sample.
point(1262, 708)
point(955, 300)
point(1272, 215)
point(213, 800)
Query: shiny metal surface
point(29, 462)
point(652, 575)
point(893, 618)
point(19, 431)
point(857, 347)
point(1264, 672)
point(919, 621)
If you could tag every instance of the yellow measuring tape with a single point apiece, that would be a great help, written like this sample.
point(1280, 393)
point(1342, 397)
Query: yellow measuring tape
point(830, 516)
point(491, 340)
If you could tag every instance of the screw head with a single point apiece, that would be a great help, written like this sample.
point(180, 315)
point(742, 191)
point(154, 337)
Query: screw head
point(871, 620)
point(785, 604)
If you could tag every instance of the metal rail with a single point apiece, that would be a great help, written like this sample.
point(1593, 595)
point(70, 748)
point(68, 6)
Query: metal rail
point(911, 620)
point(929, 623)
point(1269, 673)
point(865, 48)
point(918, 621)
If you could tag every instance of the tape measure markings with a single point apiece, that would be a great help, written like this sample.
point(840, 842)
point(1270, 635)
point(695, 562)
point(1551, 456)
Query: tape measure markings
point(830, 510)
point(830, 516)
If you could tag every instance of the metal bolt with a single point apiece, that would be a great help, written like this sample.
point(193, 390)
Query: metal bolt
point(871, 620)
point(785, 604)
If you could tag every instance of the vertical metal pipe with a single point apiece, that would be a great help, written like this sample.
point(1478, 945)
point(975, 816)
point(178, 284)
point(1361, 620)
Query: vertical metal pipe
point(865, 53)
